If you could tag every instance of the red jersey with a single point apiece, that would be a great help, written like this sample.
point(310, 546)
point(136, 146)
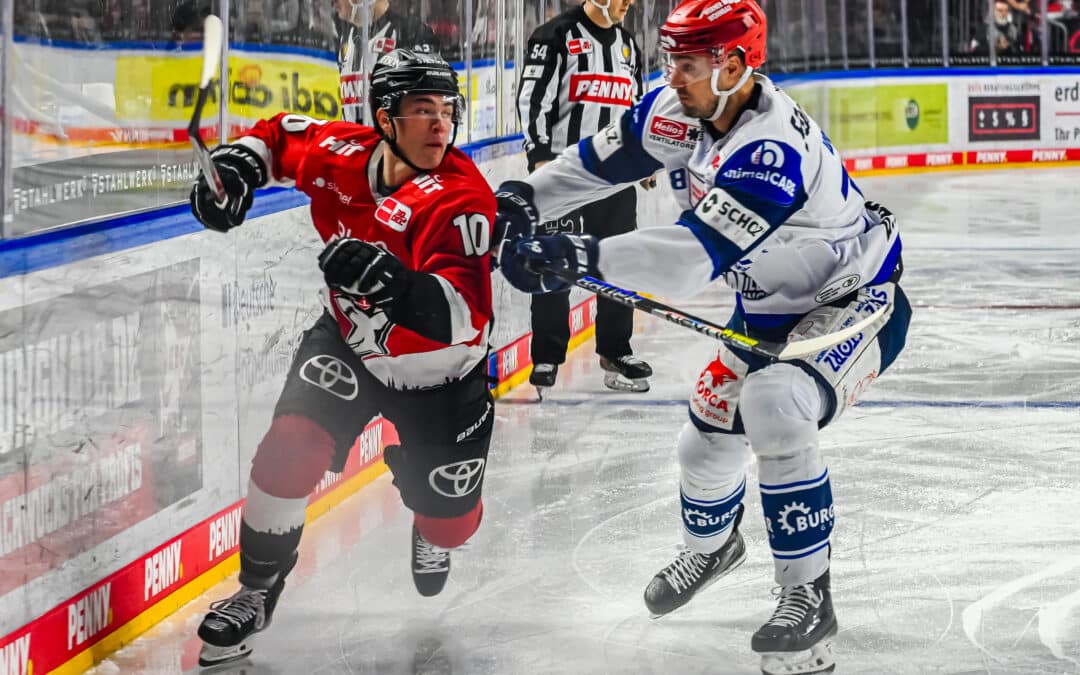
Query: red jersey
point(438, 223)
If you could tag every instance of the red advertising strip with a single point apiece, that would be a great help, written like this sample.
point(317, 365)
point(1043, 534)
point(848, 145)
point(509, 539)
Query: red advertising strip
point(67, 631)
point(924, 160)
point(510, 362)
point(88, 626)
point(607, 89)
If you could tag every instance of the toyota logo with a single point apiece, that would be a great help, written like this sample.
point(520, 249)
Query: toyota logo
point(332, 375)
point(457, 479)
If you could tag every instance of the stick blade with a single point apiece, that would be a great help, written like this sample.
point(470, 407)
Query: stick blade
point(803, 348)
point(212, 32)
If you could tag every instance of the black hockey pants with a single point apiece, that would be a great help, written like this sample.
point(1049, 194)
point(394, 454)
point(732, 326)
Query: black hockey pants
point(614, 323)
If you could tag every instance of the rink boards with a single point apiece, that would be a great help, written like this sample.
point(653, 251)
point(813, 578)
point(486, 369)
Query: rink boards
point(137, 383)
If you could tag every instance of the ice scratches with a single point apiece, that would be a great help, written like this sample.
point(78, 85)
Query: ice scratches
point(1053, 615)
point(575, 556)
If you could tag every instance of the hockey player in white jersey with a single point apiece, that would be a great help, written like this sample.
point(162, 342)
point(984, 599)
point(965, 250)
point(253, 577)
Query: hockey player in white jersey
point(770, 210)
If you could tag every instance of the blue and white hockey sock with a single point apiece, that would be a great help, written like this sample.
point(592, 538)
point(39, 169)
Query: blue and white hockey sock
point(799, 519)
point(708, 515)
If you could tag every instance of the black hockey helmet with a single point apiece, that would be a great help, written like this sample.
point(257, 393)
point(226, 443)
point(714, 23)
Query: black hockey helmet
point(403, 71)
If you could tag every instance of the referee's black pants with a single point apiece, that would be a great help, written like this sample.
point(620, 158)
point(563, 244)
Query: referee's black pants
point(614, 323)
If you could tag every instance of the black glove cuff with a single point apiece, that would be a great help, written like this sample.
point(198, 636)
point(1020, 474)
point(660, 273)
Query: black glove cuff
point(423, 308)
point(246, 161)
point(518, 196)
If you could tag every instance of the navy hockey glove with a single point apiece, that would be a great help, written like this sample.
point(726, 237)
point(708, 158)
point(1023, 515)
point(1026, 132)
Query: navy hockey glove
point(515, 215)
point(241, 171)
point(362, 269)
point(524, 263)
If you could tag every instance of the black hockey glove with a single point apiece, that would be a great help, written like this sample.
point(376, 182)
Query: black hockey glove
point(241, 171)
point(362, 269)
point(515, 216)
point(523, 263)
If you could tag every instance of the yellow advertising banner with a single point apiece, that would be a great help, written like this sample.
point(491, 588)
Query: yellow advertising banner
point(891, 115)
point(164, 88)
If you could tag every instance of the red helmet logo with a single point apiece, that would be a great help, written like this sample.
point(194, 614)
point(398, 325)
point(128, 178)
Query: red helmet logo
point(716, 27)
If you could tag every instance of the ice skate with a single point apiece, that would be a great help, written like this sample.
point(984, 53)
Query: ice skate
point(676, 584)
point(430, 565)
point(797, 640)
point(626, 373)
point(227, 628)
point(543, 377)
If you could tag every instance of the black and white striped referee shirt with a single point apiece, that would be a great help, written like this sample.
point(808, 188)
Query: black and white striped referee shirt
point(577, 78)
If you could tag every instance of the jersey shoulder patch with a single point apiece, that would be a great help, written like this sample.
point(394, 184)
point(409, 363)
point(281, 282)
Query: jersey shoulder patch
point(731, 219)
point(767, 168)
point(662, 128)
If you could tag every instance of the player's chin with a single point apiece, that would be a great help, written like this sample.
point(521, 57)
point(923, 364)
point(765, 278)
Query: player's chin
point(431, 155)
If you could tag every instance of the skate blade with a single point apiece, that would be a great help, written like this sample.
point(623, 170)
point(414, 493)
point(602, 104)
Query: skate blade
point(618, 382)
point(708, 583)
point(817, 659)
point(211, 655)
point(540, 393)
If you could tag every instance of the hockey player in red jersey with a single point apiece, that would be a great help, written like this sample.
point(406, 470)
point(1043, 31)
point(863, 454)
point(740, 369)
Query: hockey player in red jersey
point(406, 218)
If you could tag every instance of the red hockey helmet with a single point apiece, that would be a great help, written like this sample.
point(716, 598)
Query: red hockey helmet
point(716, 27)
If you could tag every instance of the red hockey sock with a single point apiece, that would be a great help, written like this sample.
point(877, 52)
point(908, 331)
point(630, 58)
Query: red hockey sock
point(449, 532)
point(292, 458)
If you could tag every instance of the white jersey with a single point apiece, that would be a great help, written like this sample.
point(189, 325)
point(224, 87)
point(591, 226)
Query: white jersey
point(768, 206)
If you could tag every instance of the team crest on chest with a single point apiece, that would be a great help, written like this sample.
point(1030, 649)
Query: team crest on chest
point(393, 214)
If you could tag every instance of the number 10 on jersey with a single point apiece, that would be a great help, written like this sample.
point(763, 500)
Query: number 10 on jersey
point(475, 233)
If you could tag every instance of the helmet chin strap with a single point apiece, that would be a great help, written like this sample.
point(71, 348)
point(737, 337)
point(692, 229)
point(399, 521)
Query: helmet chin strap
point(714, 82)
point(603, 8)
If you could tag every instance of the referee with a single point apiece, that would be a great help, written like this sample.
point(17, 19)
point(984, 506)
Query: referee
point(389, 30)
point(582, 71)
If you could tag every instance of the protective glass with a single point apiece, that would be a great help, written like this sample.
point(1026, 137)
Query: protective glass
point(683, 69)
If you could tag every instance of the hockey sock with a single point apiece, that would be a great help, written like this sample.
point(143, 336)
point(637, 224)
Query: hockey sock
point(292, 458)
point(450, 532)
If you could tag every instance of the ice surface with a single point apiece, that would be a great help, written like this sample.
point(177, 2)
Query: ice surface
point(957, 545)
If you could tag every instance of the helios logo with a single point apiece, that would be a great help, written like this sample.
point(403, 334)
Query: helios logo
point(676, 131)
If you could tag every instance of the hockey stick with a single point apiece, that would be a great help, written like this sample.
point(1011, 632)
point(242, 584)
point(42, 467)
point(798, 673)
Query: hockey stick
point(211, 55)
point(776, 351)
